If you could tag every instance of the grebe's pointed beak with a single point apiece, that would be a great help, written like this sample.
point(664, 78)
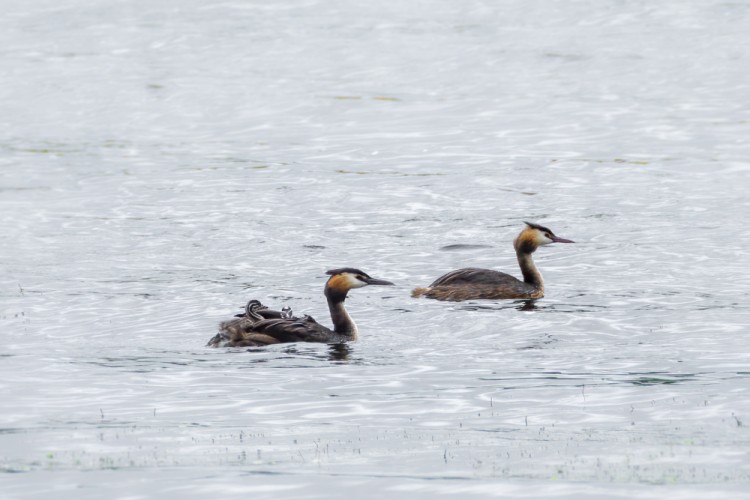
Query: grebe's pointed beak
point(556, 239)
point(375, 281)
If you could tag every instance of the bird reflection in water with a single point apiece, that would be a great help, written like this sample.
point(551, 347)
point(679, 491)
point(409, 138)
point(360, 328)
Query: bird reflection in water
point(526, 305)
point(335, 352)
point(339, 352)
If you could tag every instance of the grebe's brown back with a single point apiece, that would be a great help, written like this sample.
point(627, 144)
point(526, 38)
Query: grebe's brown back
point(472, 283)
point(260, 326)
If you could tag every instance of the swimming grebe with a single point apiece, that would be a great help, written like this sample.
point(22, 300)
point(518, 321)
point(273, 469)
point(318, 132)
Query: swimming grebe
point(472, 283)
point(260, 326)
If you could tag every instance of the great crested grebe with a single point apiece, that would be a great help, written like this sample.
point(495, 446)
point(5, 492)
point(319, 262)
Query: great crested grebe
point(260, 326)
point(472, 283)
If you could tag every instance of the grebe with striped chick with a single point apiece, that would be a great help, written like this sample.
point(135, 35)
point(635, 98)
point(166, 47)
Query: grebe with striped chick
point(260, 326)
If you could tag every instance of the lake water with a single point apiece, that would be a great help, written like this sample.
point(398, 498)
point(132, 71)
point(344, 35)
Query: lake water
point(164, 162)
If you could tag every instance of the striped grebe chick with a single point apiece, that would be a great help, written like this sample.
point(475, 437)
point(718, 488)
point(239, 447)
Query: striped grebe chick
point(260, 326)
point(472, 283)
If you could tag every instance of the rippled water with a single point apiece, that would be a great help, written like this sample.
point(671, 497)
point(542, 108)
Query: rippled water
point(163, 162)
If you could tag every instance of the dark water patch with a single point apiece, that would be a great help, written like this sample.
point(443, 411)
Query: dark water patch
point(653, 381)
point(662, 378)
point(599, 378)
point(285, 298)
point(602, 216)
point(527, 193)
point(463, 246)
point(14, 430)
point(544, 343)
point(9, 469)
point(139, 364)
point(569, 308)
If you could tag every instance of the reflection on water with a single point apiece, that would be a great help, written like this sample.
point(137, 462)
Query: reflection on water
point(339, 352)
point(328, 352)
point(165, 162)
point(537, 305)
point(526, 305)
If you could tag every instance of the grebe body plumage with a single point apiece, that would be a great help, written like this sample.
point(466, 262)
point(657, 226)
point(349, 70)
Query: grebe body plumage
point(260, 326)
point(474, 283)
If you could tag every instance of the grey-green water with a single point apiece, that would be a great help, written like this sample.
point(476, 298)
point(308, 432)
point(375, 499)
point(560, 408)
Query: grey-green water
point(163, 162)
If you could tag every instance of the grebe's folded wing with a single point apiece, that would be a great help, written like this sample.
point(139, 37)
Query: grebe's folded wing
point(282, 330)
point(473, 276)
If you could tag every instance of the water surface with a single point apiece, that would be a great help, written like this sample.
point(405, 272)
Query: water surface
point(163, 162)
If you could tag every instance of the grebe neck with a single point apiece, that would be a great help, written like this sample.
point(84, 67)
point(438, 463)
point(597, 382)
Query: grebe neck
point(343, 324)
point(531, 274)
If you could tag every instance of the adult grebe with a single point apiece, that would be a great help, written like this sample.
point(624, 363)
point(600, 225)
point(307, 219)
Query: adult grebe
point(260, 326)
point(472, 283)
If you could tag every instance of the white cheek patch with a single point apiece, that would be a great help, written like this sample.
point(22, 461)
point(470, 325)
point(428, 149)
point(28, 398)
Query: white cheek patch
point(353, 282)
point(540, 239)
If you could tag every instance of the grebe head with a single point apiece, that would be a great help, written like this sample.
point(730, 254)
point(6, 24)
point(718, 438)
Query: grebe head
point(533, 236)
point(344, 279)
